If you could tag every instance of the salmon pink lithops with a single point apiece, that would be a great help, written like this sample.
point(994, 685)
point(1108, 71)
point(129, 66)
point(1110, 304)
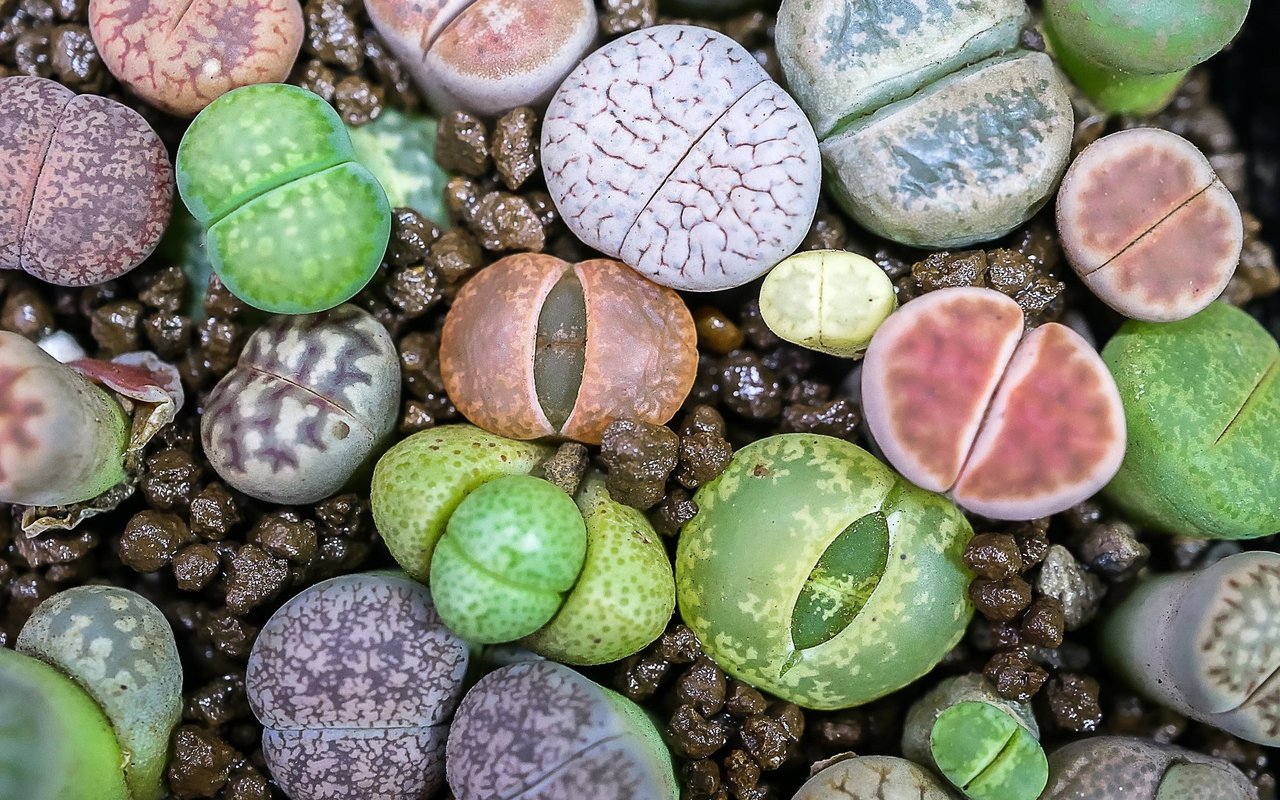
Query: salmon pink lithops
point(534, 347)
point(1148, 226)
point(179, 55)
point(85, 184)
point(1014, 424)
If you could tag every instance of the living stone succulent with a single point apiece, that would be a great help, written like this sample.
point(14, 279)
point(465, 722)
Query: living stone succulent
point(181, 54)
point(1012, 424)
point(671, 149)
point(119, 649)
point(295, 224)
point(535, 347)
point(874, 778)
point(306, 406)
point(85, 184)
point(1124, 768)
point(399, 149)
point(936, 129)
point(1202, 403)
point(540, 731)
point(355, 681)
point(1148, 226)
point(815, 572)
point(1206, 643)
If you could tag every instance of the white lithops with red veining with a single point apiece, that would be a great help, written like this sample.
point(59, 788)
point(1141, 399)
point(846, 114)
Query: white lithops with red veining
point(672, 149)
point(310, 400)
point(1013, 424)
point(486, 56)
point(1148, 226)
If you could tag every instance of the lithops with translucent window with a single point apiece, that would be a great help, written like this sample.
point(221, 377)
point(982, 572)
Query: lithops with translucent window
point(815, 572)
point(874, 778)
point(1123, 768)
point(827, 300)
point(672, 149)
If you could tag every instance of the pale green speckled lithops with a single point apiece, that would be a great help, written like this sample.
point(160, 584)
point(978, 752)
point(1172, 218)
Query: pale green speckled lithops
point(815, 572)
point(399, 149)
point(874, 778)
point(1123, 768)
point(118, 647)
point(831, 301)
point(295, 224)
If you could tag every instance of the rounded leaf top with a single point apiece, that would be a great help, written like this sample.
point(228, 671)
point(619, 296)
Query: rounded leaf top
point(1124, 768)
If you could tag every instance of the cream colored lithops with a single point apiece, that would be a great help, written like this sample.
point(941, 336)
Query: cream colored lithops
point(1124, 768)
point(831, 301)
point(119, 648)
point(874, 778)
point(672, 149)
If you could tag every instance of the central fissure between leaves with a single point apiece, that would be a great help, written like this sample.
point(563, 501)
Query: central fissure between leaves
point(560, 353)
point(841, 582)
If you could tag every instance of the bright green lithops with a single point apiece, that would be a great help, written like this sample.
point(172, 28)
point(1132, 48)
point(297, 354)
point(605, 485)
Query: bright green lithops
point(55, 742)
point(399, 149)
point(831, 301)
point(1202, 405)
point(118, 647)
point(985, 745)
point(1130, 55)
point(815, 572)
point(511, 551)
point(295, 224)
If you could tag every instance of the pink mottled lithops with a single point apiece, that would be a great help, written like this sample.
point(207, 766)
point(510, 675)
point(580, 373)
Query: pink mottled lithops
point(85, 184)
point(310, 400)
point(486, 56)
point(1014, 424)
point(1148, 225)
point(355, 681)
point(180, 55)
point(673, 150)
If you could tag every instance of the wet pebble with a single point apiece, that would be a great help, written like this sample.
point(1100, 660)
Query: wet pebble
point(462, 144)
point(151, 539)
point(749, 388)
point(1073, 701)
point(639, 457)
point(1062, 577)
point(515, 146)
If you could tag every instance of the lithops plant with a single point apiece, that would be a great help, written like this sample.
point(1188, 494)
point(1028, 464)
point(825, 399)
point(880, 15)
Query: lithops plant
point(355, 681)
point(295, 225)
point(1124, 768)
point(815, 572)
point(672, 149)
point(486, 56)
point(1130, 55)
point(936, 130)
point(535, 347)
point(831, 301)
point(62, 438)
point(874, 778)
point(985, 745)
point(118, 647)
point(399, 149)
point(1012, 424)
point(540, 731)
point(179, 55)
point(1202, 401)
point(1206, 643)
point(85, 184)
point(1148, 226)
point(307, 405)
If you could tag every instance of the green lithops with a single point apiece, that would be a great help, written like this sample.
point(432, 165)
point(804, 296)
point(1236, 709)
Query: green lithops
point(815, 572)
point(399, 149)
point(511, 551)
point(295, 224)
point(831, 301)
point(1202, 404)
point(118, 647)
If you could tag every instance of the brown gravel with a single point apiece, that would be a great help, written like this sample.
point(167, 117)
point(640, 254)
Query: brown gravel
point(639, 456)
point(515, 146)
point(462, 144)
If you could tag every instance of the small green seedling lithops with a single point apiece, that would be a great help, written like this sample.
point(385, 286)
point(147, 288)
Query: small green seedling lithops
point(399, 149)
point(1130, 56)
point(1124, 768)
point(116, 646)
point(295, 224)
point(1201, 402)
point(874, 778)
point(815, 572)
point(831, 301)
point(1207, 643)
point(985, 745)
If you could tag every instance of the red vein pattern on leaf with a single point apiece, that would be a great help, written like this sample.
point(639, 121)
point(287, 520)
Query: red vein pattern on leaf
point(16, 414)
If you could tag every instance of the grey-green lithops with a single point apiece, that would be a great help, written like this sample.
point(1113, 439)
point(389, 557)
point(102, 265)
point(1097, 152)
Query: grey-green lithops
point(118, 647)
point(874, 778)
point(936, 130)
point(831, 301)
point(815, 572)
point(1123, 768)
point(399, 149)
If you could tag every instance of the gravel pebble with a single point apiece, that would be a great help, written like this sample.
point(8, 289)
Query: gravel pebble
point(1080, 593)
point(639, 457)
point(515, 146)
point(462, 144)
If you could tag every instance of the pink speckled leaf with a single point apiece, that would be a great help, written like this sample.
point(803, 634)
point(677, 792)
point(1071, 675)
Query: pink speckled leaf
point(30, 109)
point(393, 764)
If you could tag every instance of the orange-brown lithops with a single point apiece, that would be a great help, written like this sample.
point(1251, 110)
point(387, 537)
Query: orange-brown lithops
point(1148, 226)
point(535, 347)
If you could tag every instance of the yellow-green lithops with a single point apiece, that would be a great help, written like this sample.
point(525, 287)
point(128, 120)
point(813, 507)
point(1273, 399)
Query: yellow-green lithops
point(831, 301)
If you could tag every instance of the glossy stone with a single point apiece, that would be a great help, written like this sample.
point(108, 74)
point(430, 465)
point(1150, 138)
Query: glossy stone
point(831, 301)
point(1124, 768)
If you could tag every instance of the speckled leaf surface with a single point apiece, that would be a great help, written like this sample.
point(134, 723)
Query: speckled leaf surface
point(329, 764)
point(1122, 768)
point(874, 778)
point(970, 687)
point(399, 149)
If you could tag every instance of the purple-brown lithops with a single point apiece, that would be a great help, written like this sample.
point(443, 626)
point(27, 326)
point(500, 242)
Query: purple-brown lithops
point(672, 149)
point(1148, 225)
point(309, 402)
point(355, 681)
point(534, 346)
point(486, 56)
point(179, 55)
point(1013, 424)
point(540, 731)
point(85, 184)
